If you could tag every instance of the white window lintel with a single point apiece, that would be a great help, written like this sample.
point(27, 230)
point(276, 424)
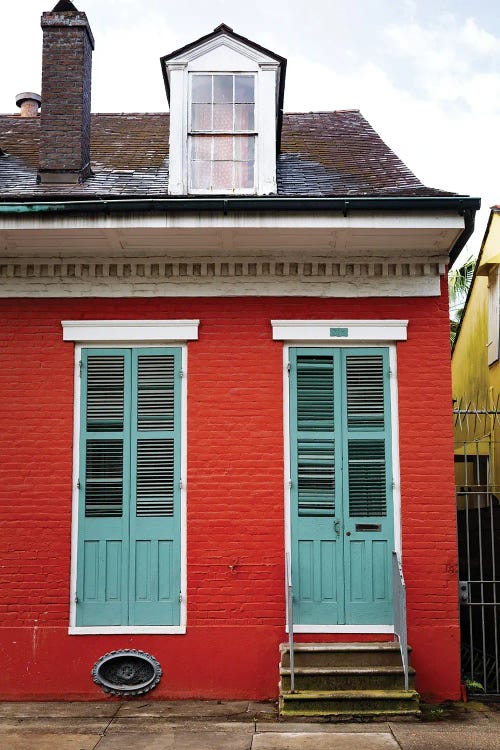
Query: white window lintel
point(116, 331)
point(340, 330)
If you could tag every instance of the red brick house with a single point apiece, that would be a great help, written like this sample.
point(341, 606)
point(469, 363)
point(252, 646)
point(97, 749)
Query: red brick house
point(224, 346)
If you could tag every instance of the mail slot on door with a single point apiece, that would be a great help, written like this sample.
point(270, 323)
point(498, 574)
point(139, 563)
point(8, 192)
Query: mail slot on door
point(368, 527)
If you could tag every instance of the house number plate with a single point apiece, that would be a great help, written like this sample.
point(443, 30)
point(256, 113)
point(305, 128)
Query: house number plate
point(339, 332)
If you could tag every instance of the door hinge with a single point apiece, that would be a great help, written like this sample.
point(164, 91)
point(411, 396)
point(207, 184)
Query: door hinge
point(180, 597)
point(288, 367)
point(290, 484)
point(80, 365)
point(78, 485)
point(181, 373)
point(76, 599)
point(180, 484)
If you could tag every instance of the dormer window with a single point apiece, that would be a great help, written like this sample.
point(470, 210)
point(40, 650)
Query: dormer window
point(222, 135)
point(226, 102)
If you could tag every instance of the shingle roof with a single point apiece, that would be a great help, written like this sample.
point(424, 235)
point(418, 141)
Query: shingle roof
point(331, 154)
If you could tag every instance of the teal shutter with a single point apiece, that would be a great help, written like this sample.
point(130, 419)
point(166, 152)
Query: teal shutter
point(102, 575)
point(315, 420)
point(129, 516)
point(155, 502)
point(367, 486)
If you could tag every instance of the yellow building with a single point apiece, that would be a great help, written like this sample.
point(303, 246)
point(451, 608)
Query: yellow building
point(475, 360)
point(476, 394)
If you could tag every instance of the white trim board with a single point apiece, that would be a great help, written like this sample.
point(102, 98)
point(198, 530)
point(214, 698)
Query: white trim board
point(340, 330)
point(180, 629)
point(118, 331)
point(129, 630)
point(376, 629)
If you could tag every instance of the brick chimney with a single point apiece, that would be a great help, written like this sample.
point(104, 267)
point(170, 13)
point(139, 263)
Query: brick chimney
point(66, 84)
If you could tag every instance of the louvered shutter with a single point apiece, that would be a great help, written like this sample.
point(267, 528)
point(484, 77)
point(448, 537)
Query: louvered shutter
point(368, 448)
point(155, 486)
point(128, 569)
point(102, 578)
point(315, 434)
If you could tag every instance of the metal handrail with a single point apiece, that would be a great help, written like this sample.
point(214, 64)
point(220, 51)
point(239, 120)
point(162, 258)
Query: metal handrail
point(399, 604)
point(289, 614)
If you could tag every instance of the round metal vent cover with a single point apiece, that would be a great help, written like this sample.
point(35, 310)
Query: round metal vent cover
point(127, 672)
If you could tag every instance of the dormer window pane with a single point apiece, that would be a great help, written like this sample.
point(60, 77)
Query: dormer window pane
point(223, 117)
point(244, 89)
point(202, 89)
point(201, 175)
point(244, 117)
point(222, 175)
point(201, 149)
point(223, 89)
point(201, 117)
point(244, 149)
point(244, 175)
point(223, 148)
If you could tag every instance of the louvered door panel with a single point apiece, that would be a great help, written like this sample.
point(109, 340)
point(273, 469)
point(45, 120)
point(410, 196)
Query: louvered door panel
point(315, 393)
point(365, 392)
point(155, 517)
point(155, 477)
point(367, 478)
point(316, 477)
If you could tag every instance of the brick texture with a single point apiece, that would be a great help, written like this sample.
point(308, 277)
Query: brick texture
point(66, 89)
point(235, 496)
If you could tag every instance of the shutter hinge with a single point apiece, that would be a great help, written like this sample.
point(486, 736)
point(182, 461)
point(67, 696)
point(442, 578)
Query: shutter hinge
point(180, 484)
point(290, 483)
point(78, 485)
point(180, 596)
point(288, 367)
point(80, 365)
point(181, 373)
point(76, 599)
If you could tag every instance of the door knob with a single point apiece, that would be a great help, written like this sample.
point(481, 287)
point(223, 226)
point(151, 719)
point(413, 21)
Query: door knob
point(348, 533)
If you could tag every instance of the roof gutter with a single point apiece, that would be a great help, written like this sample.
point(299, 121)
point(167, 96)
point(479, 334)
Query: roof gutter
point(463, 204)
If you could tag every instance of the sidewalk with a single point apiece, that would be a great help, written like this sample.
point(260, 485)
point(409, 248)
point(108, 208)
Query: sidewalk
point(234, 725)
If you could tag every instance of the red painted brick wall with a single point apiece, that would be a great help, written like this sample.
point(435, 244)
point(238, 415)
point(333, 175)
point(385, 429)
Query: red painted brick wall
point(235, 496)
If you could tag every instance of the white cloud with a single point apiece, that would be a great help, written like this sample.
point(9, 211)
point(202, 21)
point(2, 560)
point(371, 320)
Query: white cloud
point(448, 149)
point(479, 40)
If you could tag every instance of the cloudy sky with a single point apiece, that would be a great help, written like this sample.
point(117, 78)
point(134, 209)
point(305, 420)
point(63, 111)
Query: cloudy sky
point(425, 73)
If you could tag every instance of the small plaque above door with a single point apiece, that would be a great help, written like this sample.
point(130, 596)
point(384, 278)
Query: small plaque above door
point(339, 332)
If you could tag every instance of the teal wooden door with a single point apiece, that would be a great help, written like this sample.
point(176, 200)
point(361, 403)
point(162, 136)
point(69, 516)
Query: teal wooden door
point(341, 486)
point(128, 562)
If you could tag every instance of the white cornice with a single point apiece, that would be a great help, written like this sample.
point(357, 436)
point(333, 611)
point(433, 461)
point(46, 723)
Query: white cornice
point(217, 276)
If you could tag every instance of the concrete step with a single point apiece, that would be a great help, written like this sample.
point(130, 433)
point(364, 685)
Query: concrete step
point(347, 678)
point(342, 703)
point(380, 654)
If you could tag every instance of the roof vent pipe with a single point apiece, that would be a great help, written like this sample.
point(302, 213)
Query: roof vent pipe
point(29, 103)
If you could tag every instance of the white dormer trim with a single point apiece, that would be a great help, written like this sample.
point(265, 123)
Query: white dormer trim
point(212, 57)
point(216, 42)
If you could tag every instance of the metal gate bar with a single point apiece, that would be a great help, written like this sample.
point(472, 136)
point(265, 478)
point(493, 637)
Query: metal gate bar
point(478, 516)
